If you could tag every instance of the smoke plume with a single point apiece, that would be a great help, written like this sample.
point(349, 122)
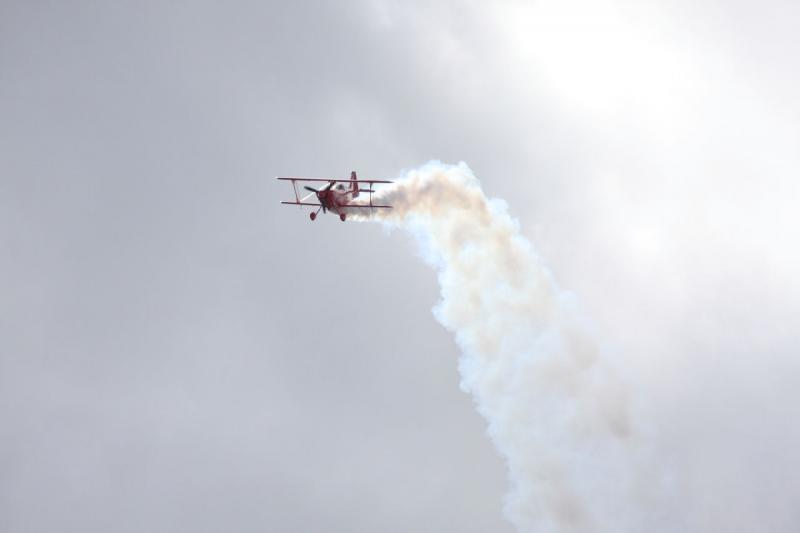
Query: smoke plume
point(555, 411)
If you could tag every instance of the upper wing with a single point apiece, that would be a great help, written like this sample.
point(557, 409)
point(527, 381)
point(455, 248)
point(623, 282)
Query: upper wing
point(333, 180)
point(301, 203)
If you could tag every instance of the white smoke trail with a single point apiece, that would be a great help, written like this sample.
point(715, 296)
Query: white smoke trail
point(554, 409)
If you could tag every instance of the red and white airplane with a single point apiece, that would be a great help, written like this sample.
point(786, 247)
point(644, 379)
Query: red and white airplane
point(335, 196)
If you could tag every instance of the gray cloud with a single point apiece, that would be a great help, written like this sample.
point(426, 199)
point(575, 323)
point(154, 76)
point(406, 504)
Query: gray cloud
point(178, 352)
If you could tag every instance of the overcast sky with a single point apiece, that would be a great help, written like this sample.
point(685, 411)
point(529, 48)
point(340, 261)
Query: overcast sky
point(178, 352)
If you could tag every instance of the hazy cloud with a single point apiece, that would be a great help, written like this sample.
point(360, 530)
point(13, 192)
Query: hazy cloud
point(178, 352)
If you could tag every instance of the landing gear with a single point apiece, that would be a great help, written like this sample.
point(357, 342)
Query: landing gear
point(342, 216)
point(313, 216)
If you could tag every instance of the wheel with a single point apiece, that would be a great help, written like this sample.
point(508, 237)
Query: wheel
point(313, 216)
point(342, 216)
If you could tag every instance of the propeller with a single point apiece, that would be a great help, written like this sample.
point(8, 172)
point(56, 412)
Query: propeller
point(318, 191)
point(312, 193)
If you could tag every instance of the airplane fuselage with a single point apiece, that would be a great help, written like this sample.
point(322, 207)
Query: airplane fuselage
point(335, 198)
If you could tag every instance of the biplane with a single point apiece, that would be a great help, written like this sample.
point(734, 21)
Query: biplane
point(337, 196)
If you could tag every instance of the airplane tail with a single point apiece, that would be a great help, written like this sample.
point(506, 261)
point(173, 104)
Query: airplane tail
point(354, 184)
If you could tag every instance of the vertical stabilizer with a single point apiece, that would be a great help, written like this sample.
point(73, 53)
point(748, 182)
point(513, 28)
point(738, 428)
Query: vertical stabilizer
point(354, 184)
